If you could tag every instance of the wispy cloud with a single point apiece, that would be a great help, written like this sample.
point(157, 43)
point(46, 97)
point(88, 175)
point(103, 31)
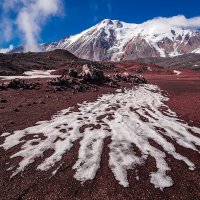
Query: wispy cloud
point(29, 16)
point(109, 5)
point(181, 21)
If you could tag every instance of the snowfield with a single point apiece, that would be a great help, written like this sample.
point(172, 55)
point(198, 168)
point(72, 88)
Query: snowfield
point(131, 119)
point(32, 75)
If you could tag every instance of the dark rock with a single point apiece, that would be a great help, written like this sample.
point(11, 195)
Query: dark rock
point(113, 83)
point(79, 88)
point(58, 89)
point(73, 73)
point(20, 84)
point(126, 77)
point(92, 75)
point(61, 81)
point(2, 87)
point(3, 100)
point(16, 109)
point(117, 76)
point(42, 102)
point(16, 83)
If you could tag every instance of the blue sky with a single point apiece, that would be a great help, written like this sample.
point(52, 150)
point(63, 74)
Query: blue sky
point(78, 15)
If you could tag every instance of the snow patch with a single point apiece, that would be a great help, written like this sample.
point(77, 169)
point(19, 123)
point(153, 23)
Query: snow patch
point(32, 75)
point(196, 51)
point(130, 119)
point(177, 72)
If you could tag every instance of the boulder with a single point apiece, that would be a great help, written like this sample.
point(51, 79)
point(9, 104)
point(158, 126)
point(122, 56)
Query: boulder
point(61, 81)
point(92, 75)
point(19, 84)
point(73, 73)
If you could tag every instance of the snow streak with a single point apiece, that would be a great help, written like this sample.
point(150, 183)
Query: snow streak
point(130, 119)
point(34, 74)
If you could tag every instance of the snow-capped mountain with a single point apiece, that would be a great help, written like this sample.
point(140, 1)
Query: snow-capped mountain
point(115, 40)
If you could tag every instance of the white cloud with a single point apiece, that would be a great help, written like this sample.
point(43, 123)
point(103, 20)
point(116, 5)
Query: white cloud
point(30, 16)
point(163, 24)
point(10, 48)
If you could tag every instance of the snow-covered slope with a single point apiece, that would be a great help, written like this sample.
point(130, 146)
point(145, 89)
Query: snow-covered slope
point(115, 40)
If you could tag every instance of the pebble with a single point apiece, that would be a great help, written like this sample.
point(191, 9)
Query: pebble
point(16, 109)
point(3, 100)
point(42, 102)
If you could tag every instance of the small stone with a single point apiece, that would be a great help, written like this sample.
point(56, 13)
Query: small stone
point(42, 102)
point(16, 109)
point(73, 73)
point(3, 100)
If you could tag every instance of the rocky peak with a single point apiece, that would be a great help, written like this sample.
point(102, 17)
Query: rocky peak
point(115, 40)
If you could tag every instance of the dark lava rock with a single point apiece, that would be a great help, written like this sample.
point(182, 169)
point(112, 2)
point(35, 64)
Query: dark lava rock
point(16, 109)
point(80, 88)
point(92, 75)
point(73, 73)
point(3, 100)
point(19, 84)
point(126, 77)
point(61, 81)
point(42, 102)
point(2, 87)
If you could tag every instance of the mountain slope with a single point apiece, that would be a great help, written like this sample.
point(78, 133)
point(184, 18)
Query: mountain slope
point(16, 64)
point(115, 40)
point(187, 61)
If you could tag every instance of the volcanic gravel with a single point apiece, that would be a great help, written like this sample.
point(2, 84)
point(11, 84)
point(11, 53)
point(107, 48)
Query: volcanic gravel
point(37, 105)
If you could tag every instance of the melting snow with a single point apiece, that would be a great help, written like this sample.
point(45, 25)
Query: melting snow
point(197, 51)
point(32, 75)
point(130, 119)
point(177, 72)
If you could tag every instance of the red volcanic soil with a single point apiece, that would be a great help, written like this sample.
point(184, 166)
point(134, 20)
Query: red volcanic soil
point(25, 107)
point(142, 68)
point(30, 103)
point(183, 92)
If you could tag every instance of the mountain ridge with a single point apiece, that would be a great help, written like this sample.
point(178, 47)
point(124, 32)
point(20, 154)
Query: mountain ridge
point(113, 40)
point(187, 61)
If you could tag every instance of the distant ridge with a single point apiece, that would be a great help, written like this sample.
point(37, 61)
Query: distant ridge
point(115, 40)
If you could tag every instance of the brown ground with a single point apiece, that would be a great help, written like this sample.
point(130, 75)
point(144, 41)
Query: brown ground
point(36, 105)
